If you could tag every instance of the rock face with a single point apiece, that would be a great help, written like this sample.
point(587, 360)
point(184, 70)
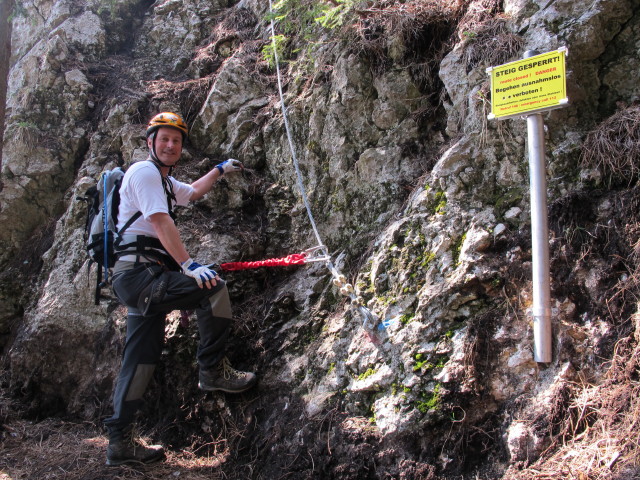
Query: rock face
point(421, 201)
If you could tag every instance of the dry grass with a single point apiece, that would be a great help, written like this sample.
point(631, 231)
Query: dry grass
point(231, 35)
point(614, 147)
point(490, 44)
point(404, 20)
point(600, 438)
point(24, 133)
point(189, 94)
point(54, 449)
point(477, 15)
point(418, 35)
point(417, 32)
point(415, 35)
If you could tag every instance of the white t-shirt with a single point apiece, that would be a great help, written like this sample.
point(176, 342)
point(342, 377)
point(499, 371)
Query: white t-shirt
point(142, 191)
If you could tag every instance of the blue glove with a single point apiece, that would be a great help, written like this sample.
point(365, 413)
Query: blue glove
point(230, 165)
point(202, 275)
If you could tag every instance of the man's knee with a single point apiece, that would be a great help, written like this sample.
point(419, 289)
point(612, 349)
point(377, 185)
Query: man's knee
point(219, 303)
point(139, 382)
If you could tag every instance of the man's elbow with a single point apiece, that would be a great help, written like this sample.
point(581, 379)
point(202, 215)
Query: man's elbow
point(196, 195)
point(160, 218)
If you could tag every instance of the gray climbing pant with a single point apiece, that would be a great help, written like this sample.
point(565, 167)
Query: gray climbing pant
point(150, 292)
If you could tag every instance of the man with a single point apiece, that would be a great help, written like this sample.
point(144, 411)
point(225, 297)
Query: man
point(154, 275)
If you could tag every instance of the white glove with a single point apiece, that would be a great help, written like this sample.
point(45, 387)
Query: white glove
point(202, 275)
point(231, 165)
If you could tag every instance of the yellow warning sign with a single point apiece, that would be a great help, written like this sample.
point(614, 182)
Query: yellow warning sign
point(530, 85)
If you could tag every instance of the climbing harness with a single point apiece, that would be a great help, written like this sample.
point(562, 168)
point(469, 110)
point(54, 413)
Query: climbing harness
point(339, 280)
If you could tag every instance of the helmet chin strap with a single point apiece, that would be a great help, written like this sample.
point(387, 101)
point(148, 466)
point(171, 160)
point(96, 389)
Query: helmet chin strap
point(154, 156)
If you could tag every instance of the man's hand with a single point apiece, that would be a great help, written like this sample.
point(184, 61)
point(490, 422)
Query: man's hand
point(231, 165)
point(202, 275)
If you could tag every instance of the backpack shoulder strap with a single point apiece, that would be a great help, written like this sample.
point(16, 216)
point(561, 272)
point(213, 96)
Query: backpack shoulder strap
point(135, 216)
point(118, 235)
point(167, 185)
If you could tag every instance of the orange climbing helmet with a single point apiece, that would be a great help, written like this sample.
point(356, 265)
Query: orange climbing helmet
point(167, 119)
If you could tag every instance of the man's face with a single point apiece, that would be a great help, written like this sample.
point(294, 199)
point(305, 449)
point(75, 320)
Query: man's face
point(168, 145)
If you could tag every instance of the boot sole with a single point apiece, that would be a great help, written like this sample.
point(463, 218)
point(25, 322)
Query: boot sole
point(227, 390)
point(131, 461)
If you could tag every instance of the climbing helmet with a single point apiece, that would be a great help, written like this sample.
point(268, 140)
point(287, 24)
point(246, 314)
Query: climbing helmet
point(167, 119)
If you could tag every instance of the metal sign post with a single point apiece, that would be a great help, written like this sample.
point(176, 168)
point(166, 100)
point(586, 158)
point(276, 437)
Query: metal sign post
point(539, 240)
point(527, 87)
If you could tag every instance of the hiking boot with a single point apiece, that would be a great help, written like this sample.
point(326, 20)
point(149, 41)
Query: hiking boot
point(226, 378)
point(124, 449)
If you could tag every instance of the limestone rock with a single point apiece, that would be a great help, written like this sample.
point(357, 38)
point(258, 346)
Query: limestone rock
point(427, 217)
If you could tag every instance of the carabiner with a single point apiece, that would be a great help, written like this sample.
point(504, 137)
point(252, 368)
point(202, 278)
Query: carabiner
point(311, 254)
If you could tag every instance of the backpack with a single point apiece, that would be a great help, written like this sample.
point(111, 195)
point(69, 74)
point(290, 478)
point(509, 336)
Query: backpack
point(103, 200)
